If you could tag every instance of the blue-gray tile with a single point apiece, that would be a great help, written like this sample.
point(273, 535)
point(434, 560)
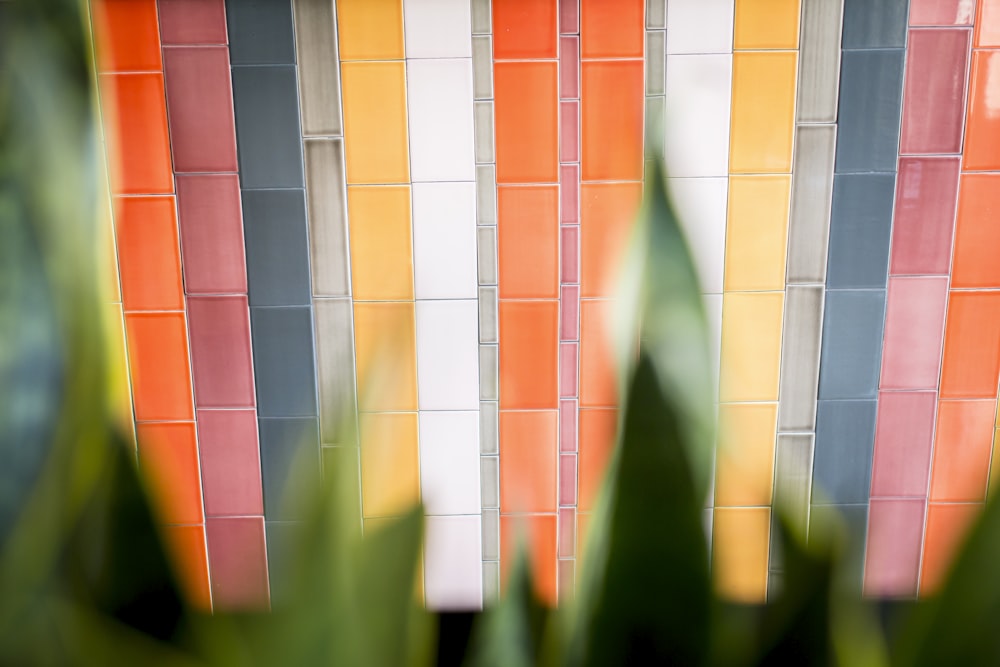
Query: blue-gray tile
point(282, 538)
point(845, 441)
point(850, 523)
point(266, 101)
point(860, 228)
point(873, 24)
point(819, 61)
point(289, 466)
point(277, 246)
point(871, 86)
point(260, 32)
point(283, 362)
point(852, 344)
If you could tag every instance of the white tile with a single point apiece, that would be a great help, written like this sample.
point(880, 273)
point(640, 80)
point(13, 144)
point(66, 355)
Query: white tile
point(713, 313)
point(701, 206)
point(444, 240)
point(700, 26)
point(438, 28)
point(699, 95)
point(453, 557)
point(449, 462)
point(448, 355)
point(439, 106)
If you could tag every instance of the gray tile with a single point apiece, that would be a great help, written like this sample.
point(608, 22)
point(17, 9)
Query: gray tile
point(775, 585)
point(289, 466)
point(850, 524)
point(860, 228)
point(490, 481)
point(484, 132)
point(819, 61)
point(335, 369)
point(342, 468)
point(277, 247)
point(871, 85)
point(325, 190)
point(845, 441)
point(482, 17)
point(488, 373)
point(266, 101)
point(487, 250)
point(655, 118)
point(482, 67)
point(656, 14)
point(491, 534)
point(812, 194)
point(319, 71)
point(491, 582)
point(852, 344)
point(283, 361)
point(656, 62)
point(488, 428)
point(260, 32)
point(281, 538)
point(800, 346)
point(486, 194)
point(793, 467)
point(488, 315)
point(871, 25)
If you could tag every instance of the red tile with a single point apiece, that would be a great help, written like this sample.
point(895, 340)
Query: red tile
point(941, 12)
point(237, 554)
point(982, 125)
point(211, 227)
point(528, 242)
point(934, 94)
point(524, 29)
point(158, 366)
point(988, 24)
point(569, 68)
point(607, 213)
point(149, 261)
point(570, 254)
point(168, 459)
point(200, 108)
point(527, 122)
point(914, 328)
point(612, 28)
point(598, 378)
point(976, 233)
point(567, 532)
point(895, 530)
point(611, 111)
point(903, 436)
point(567, 479)
point(135, 116)
point(528, 452)
point(569, 193)
point(971, 362)
point(569, 17)
point(193, 21)
point(947, 526)
point(186, 546)
point(220, 351)
point(127, 36)
point(529, 364)
point(538, 534)
point(597, 442)
point(569, 324)
point(926, 194)
point(569, 128)
point(567, 370)
point(962, 449)
point(567, 426)
point(230, 462)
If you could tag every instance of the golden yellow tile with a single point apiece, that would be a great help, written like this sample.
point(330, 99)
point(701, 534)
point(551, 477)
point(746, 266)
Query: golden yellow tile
point(385, 351)
point(763, 112)
point(756, 233)
point(381, 249)
point(390, 471)
point(740, 551)
point(766, 24)
point(751, 346)
point(375, 134)
point(744, 469)
point(370, 29)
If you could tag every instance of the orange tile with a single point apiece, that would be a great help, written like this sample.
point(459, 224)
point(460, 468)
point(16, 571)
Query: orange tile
point(135, 118)
point(539, 533)
point(766, 24)
point(744, 471)
point(597, 442)
point(976, 233)
point(971, 363)
point(524, 29)
point(528, 460)
point(526, 107)
point(386, 356)
point(612, 28)
point(127, 35)
point(982, 125)
point(763, 112)
point(390, 472)
point(947, 526)
point(159, 366)
point(608, 211)
point(186, 546)
point(962, 448)
point(988, 24)
point(148, 253)
point(370, 29)
point(740, 551)
point(168, 459)
point(381, 250)
point(529, 362)
point(598, 376)
point(611, 109)
point(528, 237)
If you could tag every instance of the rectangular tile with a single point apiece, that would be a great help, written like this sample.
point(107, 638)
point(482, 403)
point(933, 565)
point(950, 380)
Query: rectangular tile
point(982, 131)
point(525, 31)
point(914, 328)
point(375, 130)
point(335, 370)
point(947, 525)
point(656, 14)
point(237, 558)
point(211, 231)
point(186, 546)
point(319, 77)
point(970, 363)
point(569, 194)
point(488, 425)
point(756, 233)
point(598, 373)
point(482, 17)
point(656, 115)
point(568, 368)
point(811, 201)
point(895, 531)
point(793, 465)
point(611, 30)
point(143, 149)
point(800, 346)
point(776, 27)
point(447, 347)
point(963, 444)
point(569, 312)
point(483, 111)
point(486, 238)
point(868, 119)
point(482, 67)
point(541, 533)
point(390, 469)
point(488, 332)
point(158, 366)
point(744, 468)
point(933, 118)
point(845, 438)
point(491, 534)
point(221, 360)
point(489, 476)
point(567, 425)
point(656, 62)
point(341, 468)
point(283, 361)
point(972, 263)
point(570, 243)
point(444, 240)
point(529, 366)
point(869, 25)
point(852, 344)
point(260, 33)
point(528, 454)
point(924, 216)
point(192, 21)
point(903, 437)
point(289, 463)
point(370, 30)
point(567, 532)
point(611, 120)
point(569, 68)
point(230, 462)
point(860, 227)
point(385, 356)
point(763, 112)
point(381, 250)
point(936, 12)
point(751, 346)
point(149, 261)
point(819, 61)
point(168, 461)
point(489, 373)
point(988, 25)
point(277, 243)
point(567, 480)
point(607, 213)
point(486, 195)
point(437, 29)
point(697, 130)
point(598, 430)
point(326, 197)
point(439, 108)
point(449, 462)
point(569, 127)
point(739, 553)
point(701, 206)
point(453, 558)
point(527, 122)
point(854, 519)
point(700, 26)
point(267, 126)
point(281, 539)
point(528, 239)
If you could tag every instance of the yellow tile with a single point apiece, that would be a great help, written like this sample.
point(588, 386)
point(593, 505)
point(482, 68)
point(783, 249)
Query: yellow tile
point(751, 346)
point(739, 552)
point(375, 135)
point(744, 469)
point(763, 113)
point(390, 472)
point(385, 350)
point(756, 233)
point(766, 24)
point(381, 250)
point(370, 29)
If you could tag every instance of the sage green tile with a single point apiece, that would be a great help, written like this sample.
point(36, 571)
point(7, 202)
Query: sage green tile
point(482, 17)
point(819, 61)
point(488, 373)
point(487, 314)
point(335, 368)
point(325, 193)
point(484, 132)
point(488, 428)
point(486, 194)
point(482, 67)
point(489, 481)
point(487, 250)
point(319, 71)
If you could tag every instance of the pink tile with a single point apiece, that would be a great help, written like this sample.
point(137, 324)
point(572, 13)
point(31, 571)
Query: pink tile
point(942, 12)
point(569, 189)
point(230, 462)
point(571, 254)
point(914, 327)
point(569, 68)
point(569, 326)
point(567, 479)
point(237, 557)
point(567, 426)
point(568, 367)
point(569, 17)
point(569, 124)
point(211, 228)
point(200, 108)
point(903, 435)
point(220, 351)
point(567, 532)
point(926, 195)
point(192, 21)
point(567, 580)
point(934, 93)
point(895, 530)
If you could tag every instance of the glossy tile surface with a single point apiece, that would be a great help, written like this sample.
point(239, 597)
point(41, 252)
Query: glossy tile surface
point(289, 465)
point(327, 206)
point(538, 535)
point(845, 436)
point(763, 112)
point(988, 24)
point(128, 35)
point(237, 557)
point(230, 462)
point(819, 61)
point(598, 378)
point(453, 563)
point(384, 335)
point(220, 351)
point(607, 211)
point(527, 119)
point(895, 531)
point(700, 26)
point(941, 12)
point(157, 353)
point(699, 88)
point(446, 354)
point(437, 29)
point(947, 526)
point(274, 227)
point(756, 233)
point(149, 255)
point(869, 107)
point(935, 84)
point(529, 334)
point(381, 248)
point(962, 448)
point(528, 237)
point(449, 462)
point(903, 437)
point(852, 344)
point(211, 233)
point(390, 469)
point(973, 264)
point(370, 30)
point(525, 29)
point(751, 346)
point(138, 141)
point(444, 240)
point(334, 366)
point(598, 429)
point(611, 113)
point(267, 126)
point(439, 109)
point(528, 461)
point(375, 121)
point(611, 29)
point(319, 79)
point(744, 467)
point(283, 361)
point(260, 33)
point(192, 21)
point(811, 201)
point(773, 24)
point(971, 360)
point(701, 206)
point(860, 227)
point(168, 460)
point(869, 25)
point(914, 331)
point(924, 216)
point(800, 348)
point(739, 552)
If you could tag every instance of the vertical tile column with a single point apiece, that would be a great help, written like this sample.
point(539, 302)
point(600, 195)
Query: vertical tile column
point(871, 81)
point(765, 43)
point(203, 140)
point(938, 50)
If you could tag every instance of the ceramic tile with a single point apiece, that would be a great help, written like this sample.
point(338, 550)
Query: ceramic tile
point(486, 195)
point(489, 373)
point(483, 112)
point(800, 346)
point(488, 428)
point(598, 377)
point(127, 35)
point(744, 467)
point(914, 328)
point(168, 460)
point(370, 30)
point(488, 332)
point(439, 106)
point(525, 29)
point(158, 366)
point(261, 32)
point(874, 25)
point(713, 315)
point(527, 120)
point(598, 431)
point(770, 25)
point(699, 88)
point(220, 351)
point(903, 436)
point(569, 124)
point(656, 114)
point(756, 233)
point(449, 463)
point(811, 201)
point(611, 119)
point(237, 558)
point(739, 553)
point(335, 369)
point(119, 392)
point(570, 239)
point(569, 189)
point(860, 228)
point(283, 361)
point(656, 14)
point(489, 474)
point(793, 464)
point(185, 546)
point(491, 534)
point(852, 344)
point(569, 17)
point(211, 231)
point(341, 466)
point(868, 118)
point(607, 213)
point(537, 534)
point(994, 470)
point(934, 101)
point(267, 126)
point(569, 315)
point(973, 265)
point(529, 366)
point(701, 206)
point(751, 346)
point(375, 131)
point(970, 365)
point(611, 29)
point(938, 13)
point(845, 438)
point(438, 29)
point(319, 78)
point(447, 347)
point(528, 460)
point(569, 68)
point(947, 526)
point(149, 261)
point(386, 358)
point(482, 16)
point(281, 537)
point(528, 236)
point(853, 522)
point(988, 24)
point(895, 530)
point(482, 67)
point(327, 208)
point(568, 368)
point(819, 61)
point(230, 462)
point(656, 62)
point(289, 464)
point(924, 216)
point(763, 112)
point(567, 426)
point(192, 21)
point(962, 447)
point(453, 557)
point(567, 532)
point(486, 238)
point(700, 26)
point(138, 141)
point(390, 477)
point(567, 482)
point(381, 253)
point(277, 245)
point(444, 240)
point(491, 582)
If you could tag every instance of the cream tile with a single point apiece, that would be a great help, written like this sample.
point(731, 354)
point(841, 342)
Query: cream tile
point(453, 563)
point(439, 99)
point(699, 92)
point(437, 28)
point(444, 240)
point(447, 349)
point(700, 26)
point(701, 206)
point(449, 462)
